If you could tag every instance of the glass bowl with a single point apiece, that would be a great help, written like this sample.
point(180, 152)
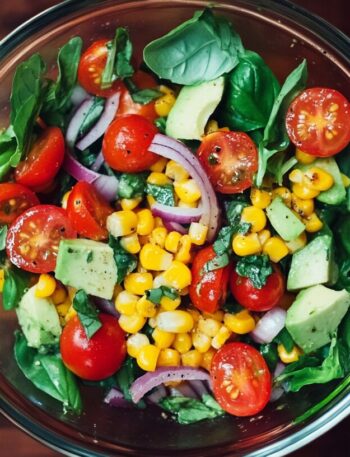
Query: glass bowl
point(283, 34)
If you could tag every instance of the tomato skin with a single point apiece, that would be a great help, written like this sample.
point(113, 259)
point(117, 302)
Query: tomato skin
point(208, 291)
point(126, 142)
point(20, 197)
point(88, 211)
point(313, 124)
point(241, 379)
point(95, 358)
point(258, 299)
point(43, 160)
point(230, 160)
point(33, 238)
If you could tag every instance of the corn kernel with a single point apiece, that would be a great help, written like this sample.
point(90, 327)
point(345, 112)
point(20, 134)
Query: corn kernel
point(192, 358)
point(184, 291)
point(198, 233)
point(187, 191)
point(162, 339)
point(172, 241)
point(201, 341)
point(182, 342)
point(70, 314)
point(131, 324)
point(45, 286)
point(168, 358)
point(246, 244)
point(147, 357)
point(217, 316)
point(240, 323)
point(60, 294)
point(304, 192)
point(145, 222)
point(275, 248)
point(2, 280)
point(63, 308)
point(125, 303)
point(178, 275)
point(284, 193)
point(71, 293)
point(116, 291)
point(135, 343)
point(64, 200)
point(160, 179)
point(260, 198)
point(122, 223)
point(158, 222)
point(254, 216)
point(164, 104)
point(182, 204)
point(207, 359)
point(296, 176)
point(211, 127)
point(318, 179)
point(145, 307)
point(150, 200)
point(209, 327)
point(297, 243)
point(159, 165)
point(304, 207)
point(169, 304)
point(221, 337)
point(153, 257)
point(177, 321)
point(345, 180)
point(131, 243)
point(303, 157)
point(184, 252)
point(176, 172)
point(264, 235)
point(128, 204)
point(194, 313)
point(288, 357)
point(158, 236)
point(138, 283)
point(313, 223)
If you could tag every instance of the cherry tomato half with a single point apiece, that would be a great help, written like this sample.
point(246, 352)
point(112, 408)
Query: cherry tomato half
point(208, 289)
point(258, 299)
point(43, 160)
point(241, 379)
point(88, 211)
point(318, 121)
point(126, 142)
point(95, 358)
point(14, 199)
point(33, 238)
point(230, 159)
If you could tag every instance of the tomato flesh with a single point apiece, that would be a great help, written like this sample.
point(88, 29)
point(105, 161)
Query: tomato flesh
point(14, 199)
point(241, 379)
point(318, 122)
point(33, 238)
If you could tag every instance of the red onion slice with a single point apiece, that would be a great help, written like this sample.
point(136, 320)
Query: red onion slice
point(76, 121)
point(269, 326)
point(106, 306)
point(177, 214)
point(277, 391)
point(78, 95)
point(116, 398)
point(183, 390)
point(98, 162)
point(159, 393)
point(102, 124)
point(174, 227)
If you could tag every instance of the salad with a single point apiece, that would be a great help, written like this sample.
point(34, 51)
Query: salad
point(176, 232)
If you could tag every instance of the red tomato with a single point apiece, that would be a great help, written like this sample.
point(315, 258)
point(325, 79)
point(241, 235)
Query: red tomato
point(241, 379)
point(43, 160)
point(33, 238)
point(95, 358)
point(126, 142)
point(208, 289)
point(88, 211)
point(258, 299)
point(91, 66)
point(318, 121)
point(230, 160)
point(14, 199)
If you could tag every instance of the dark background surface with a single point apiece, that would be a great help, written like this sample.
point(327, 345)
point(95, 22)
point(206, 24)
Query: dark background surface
point(15, 443)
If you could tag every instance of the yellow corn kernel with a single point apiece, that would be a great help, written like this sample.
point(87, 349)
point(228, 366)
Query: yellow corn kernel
point(211, 127)
point(184, 291)
point(209, 327)
point(2, 280)
point(60, 294)
point(217, 316)
point(184, 252)
point(177, 321)
point(160, 179)
point(122, 223)
point(254, 216)
point(71, 293)
point(159, 165)
point(150, 200)
point(135, 343)
point(288, 357)
point(182, 204)
point(221, 337)
point(240, 323)
point(172, 241)
point(176, 172)
point(70, 314)
point(64, 200)
point(63, 308)
point(345, 180)
point(201, 341)
point(45, 286)
point(182, 342)
point(145, 222)
point(138, 283)
point(297, 243)
point(147, 357)
point(169, 304)
point(168, 358)
point(140, 269)
point(260, 198)
point(131, 243)
point(125, 303)
point(178, 275)
point(194, 313)
point(304, 207)
point(153, 257)
point(296, 176)
point(164, 104)
point(318, 179)
point(158, 222)
point(145, 307)
point(187, 191)
point(158, 280)
point(132, 323)
point(304, 192)
point(264, 235)
point(128, 204)
point(162, 339)
point(304, 157)
point(192, 358)
point(275, 248)
point(246, 244)
point(158, 236)
point(313, 223)
point(207, 359)
point(198, 233)
point(284, 193)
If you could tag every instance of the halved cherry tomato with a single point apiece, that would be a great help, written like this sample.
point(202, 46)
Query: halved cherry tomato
point(258, 299)
point(88, 211)
point(14, 199)
point(241, 379)
point(91, 66)
point(230, 160)
point(126, 142)
point(95, 358)
point(33, 238)
point(208, 290)
point(318, 121)
point(43, 160)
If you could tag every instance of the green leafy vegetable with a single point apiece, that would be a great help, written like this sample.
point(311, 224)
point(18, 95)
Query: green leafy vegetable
point(87, 313)
point(92, 115)
point(126, 375)
point(285, 339)
point(162, 194)
point(270, 354)
point(277, 166)
point(16, 283)
point(160, 123)
point(219, 261)
point(255, 267)
point(3, 234)
point(201, 49)
point(142, 96)
point(156, 295)
point(125, 262)
point(131, 185)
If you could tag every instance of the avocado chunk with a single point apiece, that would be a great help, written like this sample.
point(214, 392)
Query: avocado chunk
point(283, 220)
point(192, 109)
point(88, 265)
point(312, 265)
point(38, 319)
point(315, 315)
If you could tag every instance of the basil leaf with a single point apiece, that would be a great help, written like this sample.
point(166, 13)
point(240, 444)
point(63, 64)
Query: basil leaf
point(126, 375)
point(285, 339)
point(156, 295)
point(125, 262)
point(201, 49)
point(141, 96)
point(270, 354)
point(48, 373)
point(92, 115)
point(219, 261)
point(3, 234)
point(160, 123)
point(131, 185)
point(255, 267)
point(163, 194)
point(87, 313)
point(277, 166)
point(16, 283)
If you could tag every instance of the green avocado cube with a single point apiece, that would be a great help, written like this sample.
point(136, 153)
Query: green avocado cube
point(283, 220)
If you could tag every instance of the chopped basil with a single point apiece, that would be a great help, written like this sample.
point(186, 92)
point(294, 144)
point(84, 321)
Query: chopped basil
point(255, 267)
point(162, 194)
point(131, 185)
point(125, 262)
point(156, 295)
point(142, 96)
point(87, 313)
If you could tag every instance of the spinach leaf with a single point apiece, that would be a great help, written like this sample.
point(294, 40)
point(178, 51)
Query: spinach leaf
point(163, 194)
point(141, 96)
point(156, 295)
point(270, 354)
point(16, 283)
point(285, 339)
point(126, 375)
point(255, 267)
point(125, 262)
point(92, 115)
point(201, 49)
point(234, 208)
point(275, 137)
point(277, 166)
point(48, 373)
point(131, 185)
point(87, 313)
point(251, 89)
point(160, 123)
point(3, 234)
